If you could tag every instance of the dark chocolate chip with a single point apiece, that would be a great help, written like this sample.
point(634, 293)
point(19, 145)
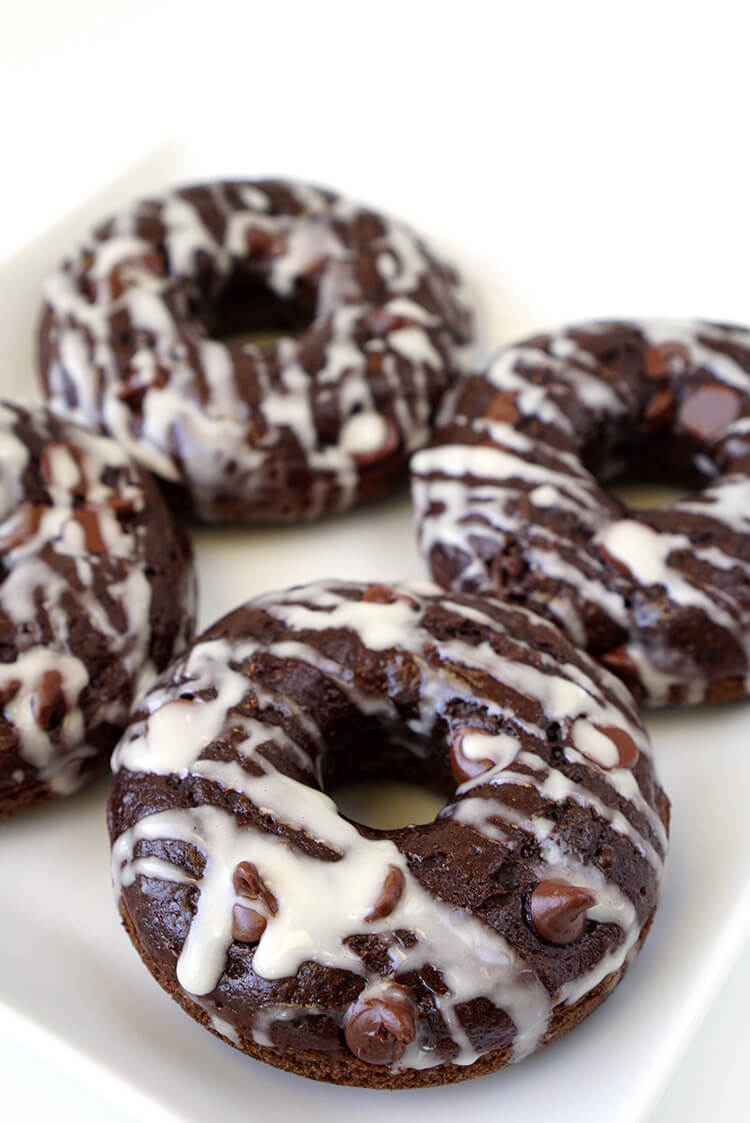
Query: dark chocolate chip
point(123, 506)
point(88, 519)
point(379, 594)
point(707, 411)
point(262, 244)
point(121, 276)
point(381, 1024)
point(502, 407)
point(247, 882)
point(390, 895)
point(8, 691)
point(627, 750)
point(247, 925)
point(48, 700)
point(665, 359)
point(659, 410)
point(21, 527)
point(463, 767)
point(557, 911)
point(390, 443)
point(620, 662)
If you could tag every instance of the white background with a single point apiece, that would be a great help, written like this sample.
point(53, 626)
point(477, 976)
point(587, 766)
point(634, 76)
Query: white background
point(605, 146)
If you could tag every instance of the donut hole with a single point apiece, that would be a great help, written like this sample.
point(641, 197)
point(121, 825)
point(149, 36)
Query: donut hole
point(247, 311)
point(385, 784)
point(675, 438)
point(647, 496)
point(650, 471)
point(387, 805)
point(623, 452)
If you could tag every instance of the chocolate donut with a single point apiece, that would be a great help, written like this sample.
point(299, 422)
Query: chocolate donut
point(144, 335)
point(96, 596)
point(396, 958)
point(510, 499)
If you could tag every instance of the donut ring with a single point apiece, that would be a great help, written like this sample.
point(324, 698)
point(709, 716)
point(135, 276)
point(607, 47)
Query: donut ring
point(96, 596)
point(273, 430)
point(396, 958)
point(509, 499)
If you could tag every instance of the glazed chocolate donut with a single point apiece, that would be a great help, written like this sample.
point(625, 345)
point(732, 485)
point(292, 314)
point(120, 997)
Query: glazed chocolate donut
point(96, 596)
point(394, 958)
point(510, 499)
point(145, 335)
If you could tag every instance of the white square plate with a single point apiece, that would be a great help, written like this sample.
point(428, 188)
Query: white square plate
point(73, 990)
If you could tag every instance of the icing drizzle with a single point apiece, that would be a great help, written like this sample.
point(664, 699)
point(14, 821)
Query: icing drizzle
point(204, 702)
point(504, 503)
point(74, 552)
point(282, 429)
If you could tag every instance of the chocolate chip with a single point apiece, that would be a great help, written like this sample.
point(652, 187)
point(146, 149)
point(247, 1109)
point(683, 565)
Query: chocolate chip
point(379, 594)
point(390, 442)
point(88, 519)
point(380, 1024)
point(502, 407)
point(121, 277)
point(22, 527)
point(247, 882)
point(464, 767)
point(48, 705)
point(627, 750)
point(390, 895)
point(665, 359)
point(621, 663)
point(707, 411)
point(247, 925)
point(659, 410)
point(262, 244)
point(8, 692)
point(124, 506)
point(557, 911)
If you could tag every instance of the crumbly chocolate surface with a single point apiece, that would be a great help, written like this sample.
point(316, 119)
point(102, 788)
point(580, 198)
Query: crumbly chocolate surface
point(96, 597)
point(510, 499)
point(150, 332)
point(397, 958)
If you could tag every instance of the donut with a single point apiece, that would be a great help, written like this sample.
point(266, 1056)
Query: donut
point(386, 958)
point(96, 597)
point(271, 350)
point(511, 497)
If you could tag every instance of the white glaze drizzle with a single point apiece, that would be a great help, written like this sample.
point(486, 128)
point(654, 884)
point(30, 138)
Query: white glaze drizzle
point(193, 428)
point(32, 586)
point(464, 492)
point(474, 959)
